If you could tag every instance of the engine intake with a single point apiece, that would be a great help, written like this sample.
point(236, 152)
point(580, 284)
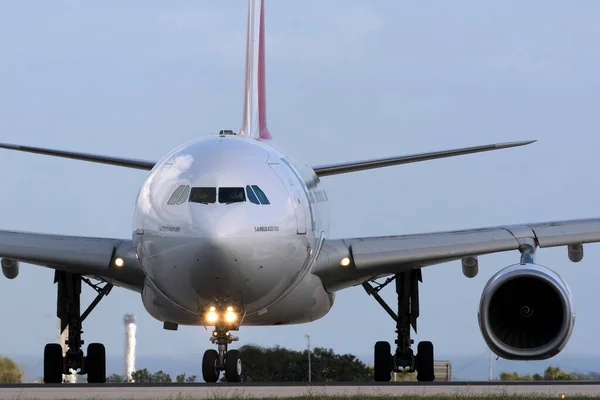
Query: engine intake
point(526, 313)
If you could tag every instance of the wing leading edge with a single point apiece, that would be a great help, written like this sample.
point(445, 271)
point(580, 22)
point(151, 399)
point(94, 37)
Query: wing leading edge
point(372, 257)
point(102, 159)
point(88, 256)
point(353, 166)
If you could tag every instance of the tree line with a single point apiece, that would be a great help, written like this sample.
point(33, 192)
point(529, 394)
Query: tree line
point(278, 364)
point(550, 374)
point(143, 375)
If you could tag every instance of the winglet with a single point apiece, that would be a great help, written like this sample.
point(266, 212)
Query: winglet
point(254, 122)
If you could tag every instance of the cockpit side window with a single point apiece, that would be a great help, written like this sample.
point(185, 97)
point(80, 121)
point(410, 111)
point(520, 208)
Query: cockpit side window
point(261, 195)
point(203, 195)
point(229, 195)
point(175, 195)
point(184, 195)
point(251, 196)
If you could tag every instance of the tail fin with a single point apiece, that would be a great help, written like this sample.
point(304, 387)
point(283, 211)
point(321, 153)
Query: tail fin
point(254, 122)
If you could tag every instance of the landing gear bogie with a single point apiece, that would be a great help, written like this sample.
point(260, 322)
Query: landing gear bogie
point(403, 360)
point(68, 310)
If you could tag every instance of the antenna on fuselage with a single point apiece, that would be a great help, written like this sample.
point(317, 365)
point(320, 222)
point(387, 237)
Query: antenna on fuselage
point(226, 132)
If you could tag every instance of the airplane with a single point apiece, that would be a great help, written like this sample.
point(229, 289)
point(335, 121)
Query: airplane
point(229, 232)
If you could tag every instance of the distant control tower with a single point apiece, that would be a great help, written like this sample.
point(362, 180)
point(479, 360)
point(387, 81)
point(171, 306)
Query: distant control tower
point(130, 329)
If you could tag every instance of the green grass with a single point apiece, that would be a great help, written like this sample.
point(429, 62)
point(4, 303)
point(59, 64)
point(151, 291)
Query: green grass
point(404, 397)
point(316, 396)
point(371, 397)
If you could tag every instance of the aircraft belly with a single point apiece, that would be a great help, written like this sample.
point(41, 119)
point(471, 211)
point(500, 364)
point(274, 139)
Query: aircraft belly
point(162, 308)
point(307, 302)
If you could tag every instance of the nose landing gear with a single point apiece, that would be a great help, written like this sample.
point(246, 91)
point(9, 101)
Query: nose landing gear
point(215, 361)
point(403, 360)
point(222, 359)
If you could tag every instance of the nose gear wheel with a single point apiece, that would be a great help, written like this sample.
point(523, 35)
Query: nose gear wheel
point(222, 359)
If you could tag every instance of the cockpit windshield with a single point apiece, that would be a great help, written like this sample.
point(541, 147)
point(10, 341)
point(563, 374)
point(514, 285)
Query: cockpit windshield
point(203, 195)
point(176, 194)
point(261, 195)
point(251, 196)
point(229, 195)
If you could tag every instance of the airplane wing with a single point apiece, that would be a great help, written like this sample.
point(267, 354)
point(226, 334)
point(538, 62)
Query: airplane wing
point(372, 257)
point(342, 168)
point(322, 170)
point(88, 256)
point(118, 161)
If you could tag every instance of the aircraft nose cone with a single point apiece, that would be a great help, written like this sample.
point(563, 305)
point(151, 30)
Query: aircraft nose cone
point(218, 271)
point(223, 264)
point(234, 263)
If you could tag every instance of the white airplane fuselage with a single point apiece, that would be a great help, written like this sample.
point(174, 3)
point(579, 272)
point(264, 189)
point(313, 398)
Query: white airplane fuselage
point(256, 257)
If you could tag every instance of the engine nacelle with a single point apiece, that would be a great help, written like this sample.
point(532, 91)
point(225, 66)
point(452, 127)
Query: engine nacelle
point(526, 313)
point(10, 268)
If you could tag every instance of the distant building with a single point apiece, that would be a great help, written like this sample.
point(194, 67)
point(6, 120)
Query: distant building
point(441, 369)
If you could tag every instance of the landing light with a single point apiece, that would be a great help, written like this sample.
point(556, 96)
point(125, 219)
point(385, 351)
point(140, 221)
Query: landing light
point(345, 262)
point(230, 316)
point(119, 262)
point(212, 317)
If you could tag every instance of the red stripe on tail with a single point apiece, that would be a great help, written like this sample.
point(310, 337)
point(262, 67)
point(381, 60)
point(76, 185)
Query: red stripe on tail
point(254, 122)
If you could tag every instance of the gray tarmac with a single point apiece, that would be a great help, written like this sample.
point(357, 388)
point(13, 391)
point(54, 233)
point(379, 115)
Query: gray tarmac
point(204, 391)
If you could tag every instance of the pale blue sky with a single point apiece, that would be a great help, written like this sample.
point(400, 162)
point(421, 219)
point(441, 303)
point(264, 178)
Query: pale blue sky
point(346, 80)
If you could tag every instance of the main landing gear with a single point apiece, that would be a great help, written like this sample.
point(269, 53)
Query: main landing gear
point(403, 360)
point(222, 359)
point(68, 310)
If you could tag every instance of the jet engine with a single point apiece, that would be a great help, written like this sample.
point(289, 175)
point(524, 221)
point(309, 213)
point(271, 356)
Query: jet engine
point(526, 313)
point(10, 268)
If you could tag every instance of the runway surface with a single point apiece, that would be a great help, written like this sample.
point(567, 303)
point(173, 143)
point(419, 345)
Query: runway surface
point(215, 391)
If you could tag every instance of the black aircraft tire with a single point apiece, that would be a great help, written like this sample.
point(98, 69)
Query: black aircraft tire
point(233, 366)
point(383, 362)
point(53, 363)
point(210, 373)
point(95, 363)
point(425, 362)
